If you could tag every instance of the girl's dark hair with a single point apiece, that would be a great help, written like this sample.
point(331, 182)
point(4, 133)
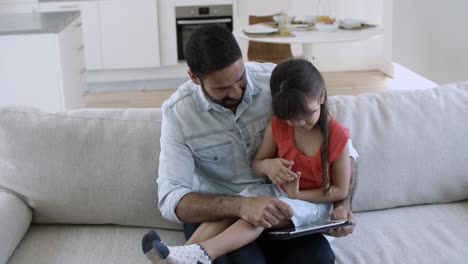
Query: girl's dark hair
point(292, 83)
point(211, 48)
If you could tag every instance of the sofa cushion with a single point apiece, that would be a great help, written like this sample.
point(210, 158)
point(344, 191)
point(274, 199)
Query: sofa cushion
point(416, 234)
point(58, 244)
point(412, 145)
point(91, 166)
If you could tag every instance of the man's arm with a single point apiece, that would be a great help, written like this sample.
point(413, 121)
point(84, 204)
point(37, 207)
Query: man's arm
point(260, 211)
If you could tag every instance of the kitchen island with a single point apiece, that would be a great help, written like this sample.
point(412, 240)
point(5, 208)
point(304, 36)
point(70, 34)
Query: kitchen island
point(42, 62)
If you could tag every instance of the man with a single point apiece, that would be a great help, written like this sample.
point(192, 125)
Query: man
point(211, 129)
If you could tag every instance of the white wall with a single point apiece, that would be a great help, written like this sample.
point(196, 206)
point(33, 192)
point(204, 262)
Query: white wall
point(430, 37)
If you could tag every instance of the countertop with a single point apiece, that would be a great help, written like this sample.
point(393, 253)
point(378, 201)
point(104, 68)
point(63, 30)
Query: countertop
point(36, 23)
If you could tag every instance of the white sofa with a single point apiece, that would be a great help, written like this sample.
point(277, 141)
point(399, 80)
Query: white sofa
point(79, 186)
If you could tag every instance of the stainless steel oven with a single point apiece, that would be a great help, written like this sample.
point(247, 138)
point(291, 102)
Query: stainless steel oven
point(190, 17)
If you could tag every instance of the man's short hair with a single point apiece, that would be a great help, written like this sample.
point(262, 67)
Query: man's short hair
point(211, 48)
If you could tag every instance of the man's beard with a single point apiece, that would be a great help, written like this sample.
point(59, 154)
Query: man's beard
point(227, 102)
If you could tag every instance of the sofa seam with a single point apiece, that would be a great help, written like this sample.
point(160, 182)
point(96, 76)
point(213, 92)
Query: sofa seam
point(25, 200)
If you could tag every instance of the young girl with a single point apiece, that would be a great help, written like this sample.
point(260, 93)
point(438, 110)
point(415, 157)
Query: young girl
point(302, 141)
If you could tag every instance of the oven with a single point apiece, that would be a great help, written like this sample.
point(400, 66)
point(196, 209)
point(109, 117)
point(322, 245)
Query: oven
point(190, 17)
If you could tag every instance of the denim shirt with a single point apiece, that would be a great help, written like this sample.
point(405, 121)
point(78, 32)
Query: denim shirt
point(205, 147)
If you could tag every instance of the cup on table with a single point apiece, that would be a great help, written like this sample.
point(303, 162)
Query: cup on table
point(284, 21)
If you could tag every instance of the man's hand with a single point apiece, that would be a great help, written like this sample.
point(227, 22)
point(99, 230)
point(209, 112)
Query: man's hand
point(342, 213)
point(265, 211)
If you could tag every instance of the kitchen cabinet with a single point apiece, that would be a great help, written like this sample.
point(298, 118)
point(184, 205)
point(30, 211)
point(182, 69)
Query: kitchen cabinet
point(129, 33)
point(118, 34)
point(45, 69)
point(91, 32)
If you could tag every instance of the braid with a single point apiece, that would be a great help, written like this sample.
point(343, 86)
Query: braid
point(324, 122)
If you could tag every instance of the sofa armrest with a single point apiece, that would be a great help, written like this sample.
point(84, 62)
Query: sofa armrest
point(15, 219)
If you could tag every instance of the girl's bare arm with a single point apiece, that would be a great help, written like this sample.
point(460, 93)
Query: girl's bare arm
point(341, 171)
point(265, 163)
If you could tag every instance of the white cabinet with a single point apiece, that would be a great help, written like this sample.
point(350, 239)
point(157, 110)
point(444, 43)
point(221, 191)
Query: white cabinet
point(91, 31)
point(118, 34)
point(129, 33)
point(43, 70)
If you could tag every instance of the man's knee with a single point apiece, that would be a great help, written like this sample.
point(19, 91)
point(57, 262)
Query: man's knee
point(251, 253)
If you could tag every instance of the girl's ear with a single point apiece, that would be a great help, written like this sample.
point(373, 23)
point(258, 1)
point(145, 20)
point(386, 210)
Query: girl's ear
point(322, 97)
point(194, 78)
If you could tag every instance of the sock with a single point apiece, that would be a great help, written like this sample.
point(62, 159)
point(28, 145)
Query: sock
point(191, 254)
point(147, 246)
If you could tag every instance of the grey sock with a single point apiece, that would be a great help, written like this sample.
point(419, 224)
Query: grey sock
point(191, 254)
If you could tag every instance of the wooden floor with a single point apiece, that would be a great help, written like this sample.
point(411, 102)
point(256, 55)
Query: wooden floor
point(338, 83)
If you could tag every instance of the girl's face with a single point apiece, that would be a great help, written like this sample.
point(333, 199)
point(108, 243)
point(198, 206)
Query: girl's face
point(308, 121)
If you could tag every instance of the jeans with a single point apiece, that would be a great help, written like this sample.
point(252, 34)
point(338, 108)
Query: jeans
point(306, 249)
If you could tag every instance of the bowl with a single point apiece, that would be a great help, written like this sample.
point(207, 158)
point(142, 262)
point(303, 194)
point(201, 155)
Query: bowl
point(349, 23)
point(327, 27)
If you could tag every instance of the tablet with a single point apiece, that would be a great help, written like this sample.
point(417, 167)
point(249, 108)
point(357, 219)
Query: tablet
point(307, 229)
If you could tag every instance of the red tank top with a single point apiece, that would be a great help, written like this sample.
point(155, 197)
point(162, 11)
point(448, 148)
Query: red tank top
point(310, 167)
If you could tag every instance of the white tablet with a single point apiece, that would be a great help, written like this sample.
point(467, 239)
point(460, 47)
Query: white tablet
point(307, 229)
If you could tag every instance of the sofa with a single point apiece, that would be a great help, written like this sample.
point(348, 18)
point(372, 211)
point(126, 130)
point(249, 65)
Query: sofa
point(79, 186)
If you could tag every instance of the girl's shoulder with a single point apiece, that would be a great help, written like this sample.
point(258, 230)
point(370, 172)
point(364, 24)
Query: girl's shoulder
point(338, 138)
point(278, 123)
point(279, 129)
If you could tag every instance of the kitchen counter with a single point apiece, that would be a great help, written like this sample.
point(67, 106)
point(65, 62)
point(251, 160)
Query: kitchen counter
point(35, 23)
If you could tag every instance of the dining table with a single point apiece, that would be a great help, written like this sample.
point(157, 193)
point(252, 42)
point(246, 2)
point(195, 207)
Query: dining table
point(311, 37)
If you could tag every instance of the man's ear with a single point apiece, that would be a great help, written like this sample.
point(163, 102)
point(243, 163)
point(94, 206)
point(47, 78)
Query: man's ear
point(194, 78)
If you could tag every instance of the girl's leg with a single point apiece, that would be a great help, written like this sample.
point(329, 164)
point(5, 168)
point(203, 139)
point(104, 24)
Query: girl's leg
point(208, 230)
point(234, 237)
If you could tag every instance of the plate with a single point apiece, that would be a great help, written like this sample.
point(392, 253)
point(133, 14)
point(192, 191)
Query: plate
point(350, 23)
point(260, 29)
point(301, 27)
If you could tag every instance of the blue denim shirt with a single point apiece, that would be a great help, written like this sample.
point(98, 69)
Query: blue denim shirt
point(205, 147)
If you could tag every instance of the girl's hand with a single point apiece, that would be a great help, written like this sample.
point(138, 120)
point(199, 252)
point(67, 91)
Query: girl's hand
point(292, 187)
point(342, 213)
point(279, 170)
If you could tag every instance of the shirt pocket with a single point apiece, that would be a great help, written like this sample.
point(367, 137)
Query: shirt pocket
point(216, 162)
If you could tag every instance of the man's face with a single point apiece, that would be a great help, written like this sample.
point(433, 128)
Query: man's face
point(226, 86)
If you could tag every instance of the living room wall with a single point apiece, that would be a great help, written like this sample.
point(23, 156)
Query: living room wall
point(430, 37)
